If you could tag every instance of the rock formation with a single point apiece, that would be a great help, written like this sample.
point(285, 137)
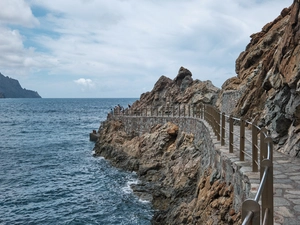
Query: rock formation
point(183, 89)
point(168, 161)
point(169, 165)
point(267, 85)
point(11, 88)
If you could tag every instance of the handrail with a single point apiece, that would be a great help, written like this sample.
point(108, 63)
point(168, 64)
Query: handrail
point(252, 211)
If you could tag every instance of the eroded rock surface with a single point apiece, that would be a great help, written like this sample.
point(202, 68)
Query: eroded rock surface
point(168, 163)
point(183, 89)
point(267, 85)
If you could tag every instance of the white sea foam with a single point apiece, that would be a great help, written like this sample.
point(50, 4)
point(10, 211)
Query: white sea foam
point(127, 189)
point(144, 201)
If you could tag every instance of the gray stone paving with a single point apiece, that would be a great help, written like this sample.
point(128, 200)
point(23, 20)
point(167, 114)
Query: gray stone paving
point(286, 181)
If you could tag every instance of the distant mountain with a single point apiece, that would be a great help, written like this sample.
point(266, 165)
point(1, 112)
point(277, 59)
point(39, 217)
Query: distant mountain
point(11, 88)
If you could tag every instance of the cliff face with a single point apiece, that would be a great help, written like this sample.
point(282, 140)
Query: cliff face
point(11, 88)
point(267, 85)
point(170, 164)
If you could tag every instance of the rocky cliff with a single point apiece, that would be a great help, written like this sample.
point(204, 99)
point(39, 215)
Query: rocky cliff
point(182, 89)
point(267, 85)
point(11, 88)
point(170, 164)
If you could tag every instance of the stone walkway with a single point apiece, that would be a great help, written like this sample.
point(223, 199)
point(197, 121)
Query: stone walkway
point(286, 180)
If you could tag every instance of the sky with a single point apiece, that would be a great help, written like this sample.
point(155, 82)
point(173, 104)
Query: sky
point(120, 48)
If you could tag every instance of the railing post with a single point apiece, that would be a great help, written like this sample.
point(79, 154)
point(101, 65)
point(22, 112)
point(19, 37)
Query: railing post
point(173, 110)
point(254, 148)
point(251, 206)
point(267, 198)
point(184, 110)
point(205, 112)
point(189, 109)
point(230, 134)
point(179, 110)
point(263, 148)
point(193, 110)
point(200, 111)
point(218, 123)
point(168, 110)
point(223, 130)
point(242, 139)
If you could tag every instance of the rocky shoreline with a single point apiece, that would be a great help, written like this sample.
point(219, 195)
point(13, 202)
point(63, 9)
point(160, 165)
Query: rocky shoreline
point(169, 164)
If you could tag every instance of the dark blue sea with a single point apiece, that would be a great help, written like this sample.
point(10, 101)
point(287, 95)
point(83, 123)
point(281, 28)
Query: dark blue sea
point(48, 174)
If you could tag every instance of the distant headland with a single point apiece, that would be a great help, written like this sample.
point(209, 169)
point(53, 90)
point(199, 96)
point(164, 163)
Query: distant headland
point(11, 88)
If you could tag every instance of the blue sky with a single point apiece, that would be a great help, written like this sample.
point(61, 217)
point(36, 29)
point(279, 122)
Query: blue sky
point(120, 48)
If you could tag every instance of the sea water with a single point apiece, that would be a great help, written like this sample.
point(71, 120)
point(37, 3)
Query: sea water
point(48, 174)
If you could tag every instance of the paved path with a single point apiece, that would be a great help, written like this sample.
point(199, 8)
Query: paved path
point(286, 181)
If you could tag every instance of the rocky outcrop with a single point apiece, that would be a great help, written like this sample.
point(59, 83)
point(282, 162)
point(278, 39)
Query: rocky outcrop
point(267, 85)
point(169, 163)
point(11, 88)
point(182, 90)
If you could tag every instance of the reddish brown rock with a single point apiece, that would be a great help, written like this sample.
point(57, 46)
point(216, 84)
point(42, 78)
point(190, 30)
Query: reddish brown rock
point(267, 82)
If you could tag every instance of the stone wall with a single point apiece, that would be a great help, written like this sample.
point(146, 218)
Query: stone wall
point(225, 165)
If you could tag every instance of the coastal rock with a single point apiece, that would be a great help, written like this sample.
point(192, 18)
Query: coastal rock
point(169, 163)
point(267, 83)
point(11, 88)
point(182, 90)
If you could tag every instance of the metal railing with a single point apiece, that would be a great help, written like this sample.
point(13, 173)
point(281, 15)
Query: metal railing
point(252, 211)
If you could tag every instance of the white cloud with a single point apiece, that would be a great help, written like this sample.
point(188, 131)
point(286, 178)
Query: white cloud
point(85, 83)
point(127, 42)
point(17, 12)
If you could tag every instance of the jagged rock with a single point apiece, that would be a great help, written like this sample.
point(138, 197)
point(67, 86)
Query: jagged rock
point(168, 164)
point(182, 74)
point(268, 72)
point(11, 88)
point(182, 90)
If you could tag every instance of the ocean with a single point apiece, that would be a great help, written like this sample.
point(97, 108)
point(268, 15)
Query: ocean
point(48, 174)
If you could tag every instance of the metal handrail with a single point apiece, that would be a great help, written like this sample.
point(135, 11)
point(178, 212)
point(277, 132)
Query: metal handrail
point(252, 211)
